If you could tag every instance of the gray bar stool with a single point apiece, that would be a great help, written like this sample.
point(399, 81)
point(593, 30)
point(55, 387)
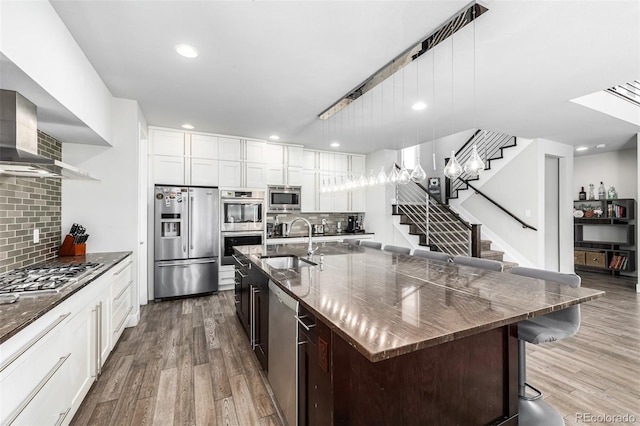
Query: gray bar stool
point(370, 244)
point(433, 255)
point(352, 241)
point(397, 249)
point(547, 328)
point(476, 262)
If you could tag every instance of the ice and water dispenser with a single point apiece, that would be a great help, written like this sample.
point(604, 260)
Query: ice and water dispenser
point(170, 225)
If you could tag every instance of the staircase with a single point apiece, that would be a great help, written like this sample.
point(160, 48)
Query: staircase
point(491, 146)
point(438, 226)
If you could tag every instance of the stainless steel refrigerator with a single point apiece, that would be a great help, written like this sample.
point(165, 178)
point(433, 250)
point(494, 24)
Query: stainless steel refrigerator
point(186, 241)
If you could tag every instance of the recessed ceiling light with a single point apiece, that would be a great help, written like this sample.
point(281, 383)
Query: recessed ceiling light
point(419, 106)
point(335, 144)
point(187, 51)
point(187, 126)
point(600, 145)
point(274, 137)
point(582, 148)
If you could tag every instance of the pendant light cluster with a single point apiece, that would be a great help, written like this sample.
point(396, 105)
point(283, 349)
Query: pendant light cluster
point(474, 165)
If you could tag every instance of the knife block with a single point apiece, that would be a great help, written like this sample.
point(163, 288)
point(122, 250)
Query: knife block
point(69, 248)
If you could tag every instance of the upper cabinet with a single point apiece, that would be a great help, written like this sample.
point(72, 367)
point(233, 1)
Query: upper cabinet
point(184, 158)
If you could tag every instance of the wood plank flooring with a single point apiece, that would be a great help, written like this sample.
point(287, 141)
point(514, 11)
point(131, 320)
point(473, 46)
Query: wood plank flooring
point(189, 362)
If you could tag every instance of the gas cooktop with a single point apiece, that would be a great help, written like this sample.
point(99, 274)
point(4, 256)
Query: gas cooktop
point(50, 277)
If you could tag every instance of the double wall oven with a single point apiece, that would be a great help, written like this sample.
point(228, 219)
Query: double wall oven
point(242, 220)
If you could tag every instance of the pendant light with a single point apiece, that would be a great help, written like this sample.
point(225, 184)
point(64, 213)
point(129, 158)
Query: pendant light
point(418, 174)
point(453, 169)
point(474, 165)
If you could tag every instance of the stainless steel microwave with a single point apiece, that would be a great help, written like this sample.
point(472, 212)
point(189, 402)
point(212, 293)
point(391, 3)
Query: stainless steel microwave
point(283, 199)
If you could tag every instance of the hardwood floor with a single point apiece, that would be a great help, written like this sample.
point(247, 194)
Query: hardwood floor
point(596, 372)
point(189, 362)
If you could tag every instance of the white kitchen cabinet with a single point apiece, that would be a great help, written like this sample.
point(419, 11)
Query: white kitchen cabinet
point(204, 146)
point(204, 172)
point(230, 149)
point(121, 298)
point(230, 174)
point(167, 142)
point(274, 155)
point(295, 156)
point(309, 191)
point(83, 337)
point(294, 176)
point(255, 175)
point(310, 160)
point(255, 151)
point(275, 174)
point(168, 170)
point(357, 164)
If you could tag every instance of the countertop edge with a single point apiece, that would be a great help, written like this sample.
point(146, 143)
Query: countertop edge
point(73, 289)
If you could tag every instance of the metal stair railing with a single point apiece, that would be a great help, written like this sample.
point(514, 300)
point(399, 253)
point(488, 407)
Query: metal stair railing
point(443, 228)
point(490, 145)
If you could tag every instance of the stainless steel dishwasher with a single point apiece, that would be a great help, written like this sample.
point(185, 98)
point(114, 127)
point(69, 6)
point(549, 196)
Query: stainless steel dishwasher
point(283, 351)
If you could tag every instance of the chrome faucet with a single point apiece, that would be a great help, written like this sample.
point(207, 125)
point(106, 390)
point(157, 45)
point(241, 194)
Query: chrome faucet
point(310, 249)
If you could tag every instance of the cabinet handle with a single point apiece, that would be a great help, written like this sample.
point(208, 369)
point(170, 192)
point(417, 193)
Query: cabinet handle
point(37, 389)
point(122, 320)
point(252, 313)
point(123, 268)
point(191, 222)
point(238, 260)
point(62, 416)
point(99, 342)
point(241, 274)
point(306, 327)
point(122, 291)
point(33, 341)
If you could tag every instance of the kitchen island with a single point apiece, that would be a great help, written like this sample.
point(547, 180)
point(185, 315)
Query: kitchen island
point(406, 340)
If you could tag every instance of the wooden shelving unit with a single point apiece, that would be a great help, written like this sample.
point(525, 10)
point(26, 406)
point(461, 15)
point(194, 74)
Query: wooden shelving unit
point(606, 241)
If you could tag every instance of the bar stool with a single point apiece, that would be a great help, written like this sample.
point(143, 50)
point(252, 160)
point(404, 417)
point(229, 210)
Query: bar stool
point(352, 241)
point(433, 255)
point(476, 262)
point(397, 249)
point(547, 328)
point(371, 244)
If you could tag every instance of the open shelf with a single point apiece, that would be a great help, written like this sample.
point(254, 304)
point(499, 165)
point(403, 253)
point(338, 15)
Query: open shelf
point(606, 241)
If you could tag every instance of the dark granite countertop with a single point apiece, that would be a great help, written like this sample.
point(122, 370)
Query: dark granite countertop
point(16, 316)
point(387, 304)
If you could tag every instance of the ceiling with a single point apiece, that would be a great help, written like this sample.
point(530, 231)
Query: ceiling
point(270, 67)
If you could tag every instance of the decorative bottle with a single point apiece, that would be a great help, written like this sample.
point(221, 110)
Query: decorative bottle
point(602, 193)
point(591, 193)
point(612, 194)
point(582, 195)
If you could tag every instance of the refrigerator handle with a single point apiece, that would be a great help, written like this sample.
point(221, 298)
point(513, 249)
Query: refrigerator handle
point(191, 223)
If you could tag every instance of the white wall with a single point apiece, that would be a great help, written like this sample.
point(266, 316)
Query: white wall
point(617, 168)
point(108, 208)
point(378, 199)
point(34, 38)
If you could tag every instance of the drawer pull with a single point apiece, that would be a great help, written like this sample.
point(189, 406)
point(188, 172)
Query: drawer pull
point(241, 274)
point(306, 327)
point(62, 417)
point(122, 291)
point(123, 268)
point(238, 260)
point(33, 341)
point(123, 320)
point(37, 389)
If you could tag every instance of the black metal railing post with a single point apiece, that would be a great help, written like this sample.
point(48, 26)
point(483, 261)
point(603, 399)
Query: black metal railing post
point(476, 240)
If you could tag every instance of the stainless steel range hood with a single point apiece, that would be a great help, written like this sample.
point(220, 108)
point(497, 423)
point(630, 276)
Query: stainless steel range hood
point(19, 142)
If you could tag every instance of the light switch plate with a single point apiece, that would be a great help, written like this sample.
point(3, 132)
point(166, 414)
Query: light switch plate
point(36, 235)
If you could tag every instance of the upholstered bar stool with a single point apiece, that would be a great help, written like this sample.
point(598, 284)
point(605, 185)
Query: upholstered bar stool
point(547, 328)
point(352, 241)
point(434, 255)
point(397, 249)
point(370, 244)
point(476, 262)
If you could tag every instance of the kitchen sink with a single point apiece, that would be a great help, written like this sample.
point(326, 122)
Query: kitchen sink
point(287, 262)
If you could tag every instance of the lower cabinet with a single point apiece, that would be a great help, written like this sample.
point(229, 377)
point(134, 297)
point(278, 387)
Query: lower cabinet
point(252, 306)
point(47, 369)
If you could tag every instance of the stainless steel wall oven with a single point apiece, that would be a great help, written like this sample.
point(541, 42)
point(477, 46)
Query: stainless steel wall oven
point(242, 221)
